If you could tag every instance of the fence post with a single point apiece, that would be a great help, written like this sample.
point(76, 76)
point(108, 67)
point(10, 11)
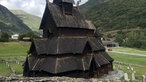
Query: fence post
point(143, 78)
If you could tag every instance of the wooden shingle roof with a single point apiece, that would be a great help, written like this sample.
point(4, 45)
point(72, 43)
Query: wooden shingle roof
point(55, 65)
point(63, 45)
point(76, 20)
point(66, 1)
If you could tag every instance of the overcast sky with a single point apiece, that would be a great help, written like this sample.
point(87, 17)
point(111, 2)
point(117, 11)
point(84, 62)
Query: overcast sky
point(35, 7)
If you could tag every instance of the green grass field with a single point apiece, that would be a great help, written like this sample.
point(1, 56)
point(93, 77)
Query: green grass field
point(4, 70)
point(129, 50)
point(17, 67)
point(139, 71)
point(13, 48)
point(140, 67)
point(12, 51)
point(129, 59)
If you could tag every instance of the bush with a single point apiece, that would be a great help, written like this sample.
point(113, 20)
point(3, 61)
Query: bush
point(4, 37)
point(29, 34)
point(133, 39)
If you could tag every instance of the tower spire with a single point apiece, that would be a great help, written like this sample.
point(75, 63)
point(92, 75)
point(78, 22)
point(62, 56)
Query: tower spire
point(46, 1)
point(78, 3)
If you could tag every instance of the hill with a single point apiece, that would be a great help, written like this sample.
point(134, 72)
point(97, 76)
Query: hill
point(10, 23)
point(91, 3)
point(116, 14)
point(32, 21)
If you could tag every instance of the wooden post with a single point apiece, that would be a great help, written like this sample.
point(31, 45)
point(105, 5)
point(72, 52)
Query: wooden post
point(143, 78)
point(133, 77)
point(126, 77)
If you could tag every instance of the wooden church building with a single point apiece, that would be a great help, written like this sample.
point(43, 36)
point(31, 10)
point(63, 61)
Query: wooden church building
point(69, 46)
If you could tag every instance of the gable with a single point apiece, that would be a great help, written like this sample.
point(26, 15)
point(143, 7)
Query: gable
point(47, 20)
point(76, 20)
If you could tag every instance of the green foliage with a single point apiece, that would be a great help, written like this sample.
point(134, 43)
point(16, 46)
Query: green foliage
point(116, 14)
point(4, 37)
point(133, 39)
point(31, 35)
point(120, 37)
point(90, 4)
point(143, 46)
point(136, 39)
point(119, 15)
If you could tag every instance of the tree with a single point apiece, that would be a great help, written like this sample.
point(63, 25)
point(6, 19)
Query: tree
point(136, 39)
point(120, 38)
point(4, 37)
point(29, 34)
point(133, 39)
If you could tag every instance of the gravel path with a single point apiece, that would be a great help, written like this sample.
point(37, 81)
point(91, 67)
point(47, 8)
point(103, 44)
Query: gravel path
point(114, 75)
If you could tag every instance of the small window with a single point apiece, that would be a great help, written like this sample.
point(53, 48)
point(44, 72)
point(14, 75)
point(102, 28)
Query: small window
point(67, 8)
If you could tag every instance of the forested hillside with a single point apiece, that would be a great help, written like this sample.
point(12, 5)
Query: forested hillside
point(122, 20)
point(91, 3)
point(116, 14)
point(32, 21)
point(10, 23)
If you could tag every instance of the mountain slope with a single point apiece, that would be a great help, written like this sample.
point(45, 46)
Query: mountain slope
point(117, 14)
point(10, 23)
point(32, 21)
point(91, 3)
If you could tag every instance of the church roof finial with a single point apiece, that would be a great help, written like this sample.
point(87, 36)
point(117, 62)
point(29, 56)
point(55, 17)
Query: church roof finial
point(78, 2)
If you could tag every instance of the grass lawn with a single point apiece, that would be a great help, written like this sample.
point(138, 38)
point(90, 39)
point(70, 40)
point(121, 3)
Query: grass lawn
point(18, 68)
point(13, 48)
point(12, 57)
point(4, 70)
point(139, 71)
point(131, 60)
point(129, 50)
point(12, 51)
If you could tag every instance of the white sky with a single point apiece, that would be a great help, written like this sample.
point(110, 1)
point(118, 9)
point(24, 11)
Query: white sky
point(35, 7)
